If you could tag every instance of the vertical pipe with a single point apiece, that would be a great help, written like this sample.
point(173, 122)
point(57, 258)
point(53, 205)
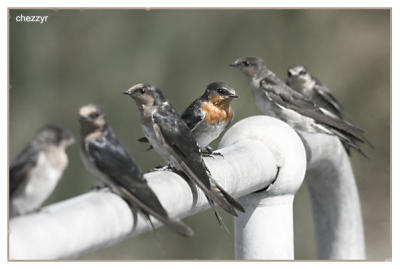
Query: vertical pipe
point(334, 198)
point(265, 231)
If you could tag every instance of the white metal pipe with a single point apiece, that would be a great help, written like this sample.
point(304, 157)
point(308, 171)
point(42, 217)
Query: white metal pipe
point(265, 231)
point(97, 219)
point(334, 198)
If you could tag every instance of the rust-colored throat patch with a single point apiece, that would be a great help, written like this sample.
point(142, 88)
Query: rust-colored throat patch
point(218, 109)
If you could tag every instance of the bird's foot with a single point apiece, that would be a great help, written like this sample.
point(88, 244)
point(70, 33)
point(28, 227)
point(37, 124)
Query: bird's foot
point(97, 187)
point(100, 187)
point(36, 211)
point(212, 155)
point(162, 168)
point(207, 152)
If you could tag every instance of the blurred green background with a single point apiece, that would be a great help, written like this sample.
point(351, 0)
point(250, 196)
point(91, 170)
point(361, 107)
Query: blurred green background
point(91, 56)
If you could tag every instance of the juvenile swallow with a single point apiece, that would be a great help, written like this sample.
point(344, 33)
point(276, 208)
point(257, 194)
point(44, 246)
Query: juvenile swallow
point(300, 80)
point(277, 99)
point(34, 174)
point(107, 159)
point(172, 139)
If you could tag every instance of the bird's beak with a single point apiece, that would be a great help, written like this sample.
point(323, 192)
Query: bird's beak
point(127, 92)
point(234, 96)
point(235, 63)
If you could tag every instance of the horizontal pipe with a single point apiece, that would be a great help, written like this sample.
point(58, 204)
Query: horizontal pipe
point(98, 219)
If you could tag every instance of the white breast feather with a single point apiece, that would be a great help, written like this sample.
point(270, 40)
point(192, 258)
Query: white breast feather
point(42, 182)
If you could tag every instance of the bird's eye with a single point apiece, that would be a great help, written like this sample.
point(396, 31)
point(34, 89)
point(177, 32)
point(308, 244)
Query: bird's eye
point(94, 115)
point(246, 63)
point(302, 72)
point(220, 91)
point(142, 90)
point(289, 74)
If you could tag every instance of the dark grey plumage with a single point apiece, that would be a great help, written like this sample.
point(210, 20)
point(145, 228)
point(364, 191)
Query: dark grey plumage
point(104, 156)
point(37, 169)
point(193, 114)
point(216, 99)
point(172, 139)
point(277, 99)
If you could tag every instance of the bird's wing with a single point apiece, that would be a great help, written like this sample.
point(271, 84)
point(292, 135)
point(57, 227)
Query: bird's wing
point(21, 167)
point(324, 93)
point(295, 101)
point(178, 139)
point(114, 162)
point(179, 142)
point(193, 115)
point(111, 159)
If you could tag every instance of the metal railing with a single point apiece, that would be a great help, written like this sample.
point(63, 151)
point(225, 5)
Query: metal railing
point(253, 150)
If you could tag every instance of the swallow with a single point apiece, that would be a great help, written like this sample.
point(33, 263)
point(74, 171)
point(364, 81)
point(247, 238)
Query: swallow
point(209, 115)
point(277, 99)
point(314, 90)
point(105, 157)
point(36, 171)
point(172, 139)
point(300, 80)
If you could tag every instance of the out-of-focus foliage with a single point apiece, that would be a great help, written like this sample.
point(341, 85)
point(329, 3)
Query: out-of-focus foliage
point(91, 56)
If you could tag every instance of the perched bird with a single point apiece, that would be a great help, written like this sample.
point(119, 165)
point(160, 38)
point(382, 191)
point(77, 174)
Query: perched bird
point(303, 82)
point(106, 158)
point(34, 174)
point(209, 115)
point(172, 139)
point(277, 99)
